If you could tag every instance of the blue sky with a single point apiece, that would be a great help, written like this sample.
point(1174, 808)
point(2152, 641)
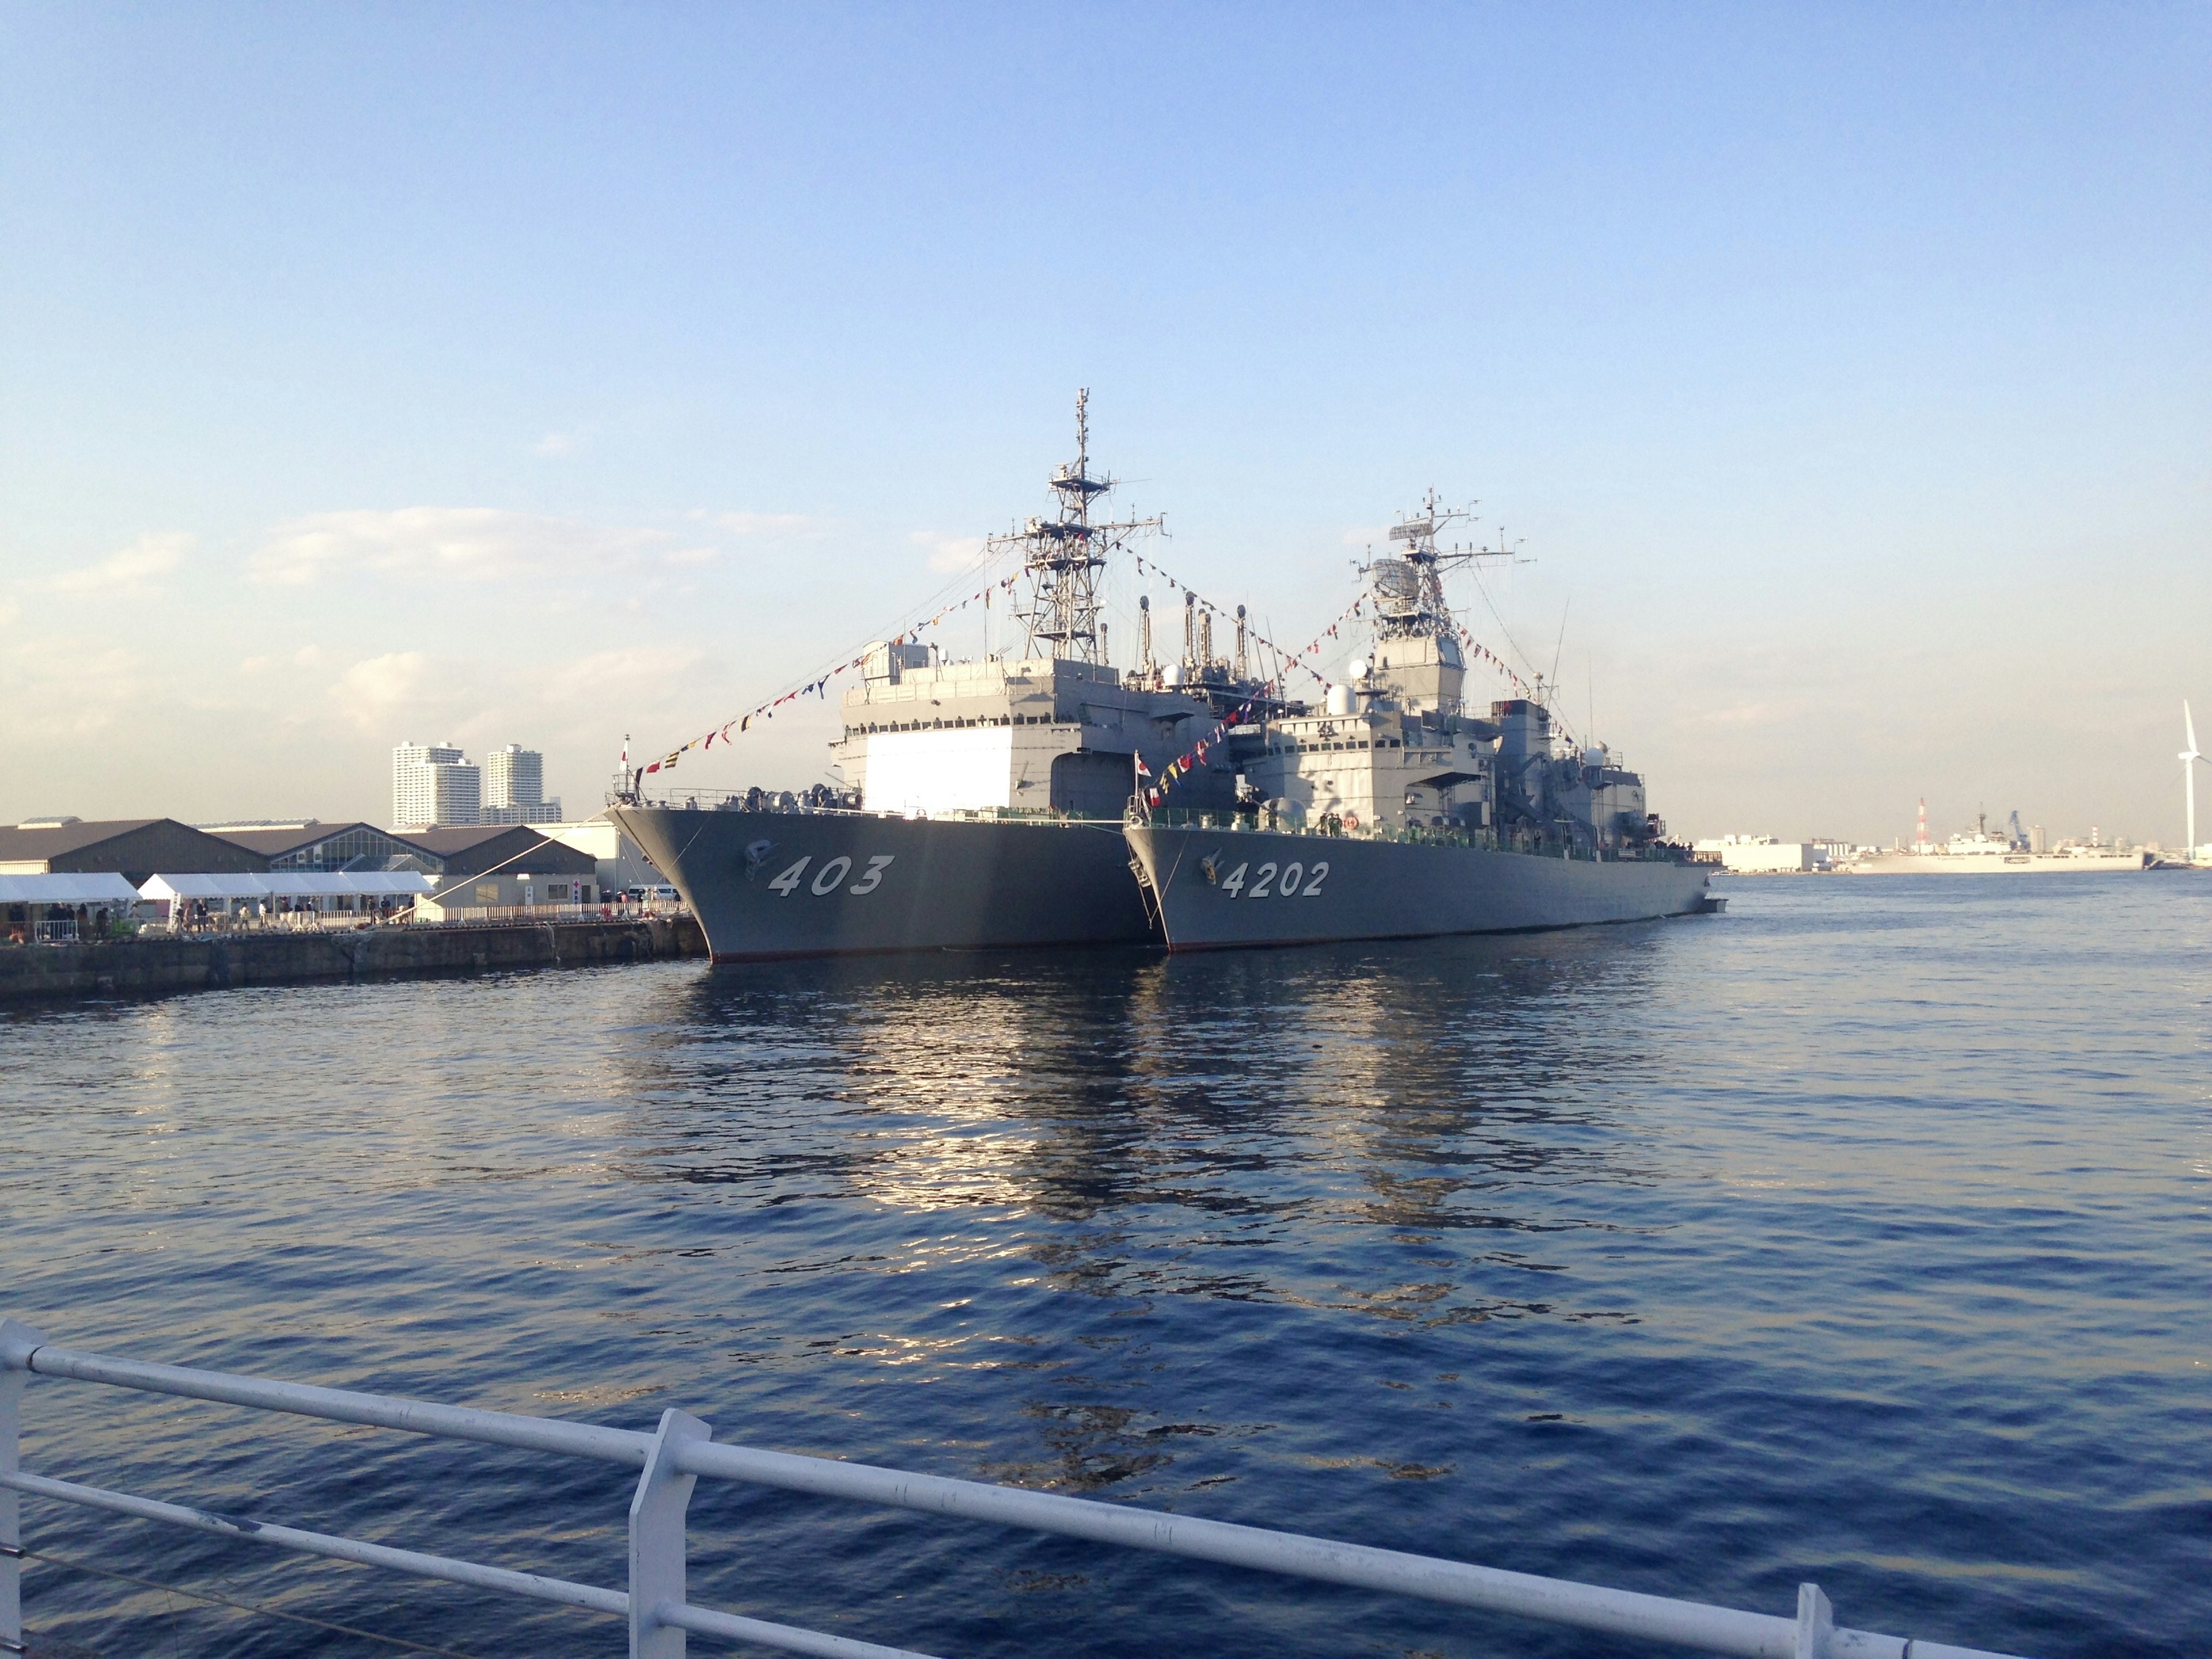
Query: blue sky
point(540, 374)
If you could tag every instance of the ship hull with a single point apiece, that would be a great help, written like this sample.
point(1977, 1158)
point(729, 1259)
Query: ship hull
point(770, 885)
point(1385, 889)
point(1994, 864)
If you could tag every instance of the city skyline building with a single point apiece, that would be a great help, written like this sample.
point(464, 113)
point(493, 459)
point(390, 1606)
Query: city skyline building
point(514, 787)
point(433, 786)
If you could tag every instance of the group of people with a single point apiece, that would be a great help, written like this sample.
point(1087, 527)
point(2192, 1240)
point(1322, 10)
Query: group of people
point(193, 915)
point(78, 921)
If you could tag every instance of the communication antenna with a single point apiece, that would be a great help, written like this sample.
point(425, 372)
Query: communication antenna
point(1240, 675)
point(1560, 644)
point(1145, 633)
point(1063, 555)
point(1408, 586)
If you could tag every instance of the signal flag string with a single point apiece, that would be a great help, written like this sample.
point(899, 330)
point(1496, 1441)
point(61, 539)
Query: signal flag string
point(1288, 658)
point(1298, 659)
point(1193, 757)
point(818, 686)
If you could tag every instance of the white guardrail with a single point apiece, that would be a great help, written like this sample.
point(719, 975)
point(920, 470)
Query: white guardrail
point(681, 1451)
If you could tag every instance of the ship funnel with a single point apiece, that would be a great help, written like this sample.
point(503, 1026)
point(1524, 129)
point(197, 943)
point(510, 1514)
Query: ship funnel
point(1341, 699)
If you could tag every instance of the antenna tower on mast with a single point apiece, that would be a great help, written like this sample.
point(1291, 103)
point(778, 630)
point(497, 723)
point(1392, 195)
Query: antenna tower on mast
point(1409, 586)
point(1063, 555)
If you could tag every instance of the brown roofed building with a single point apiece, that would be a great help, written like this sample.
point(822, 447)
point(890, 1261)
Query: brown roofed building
point(506, 864)
point(138, 848)
point(327, 848)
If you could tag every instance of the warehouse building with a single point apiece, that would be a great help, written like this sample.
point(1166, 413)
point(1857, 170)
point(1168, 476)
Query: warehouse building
point(501, 865)
point(324, 849)
point(135, 848)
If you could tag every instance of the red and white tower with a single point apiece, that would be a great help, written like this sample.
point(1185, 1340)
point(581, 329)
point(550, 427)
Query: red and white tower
point(1920, 837)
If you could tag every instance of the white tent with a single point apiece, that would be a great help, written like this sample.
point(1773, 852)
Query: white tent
point(386, 881)
point(66, 888)
point(204, 887)
point(346, 883)
point(290, 884)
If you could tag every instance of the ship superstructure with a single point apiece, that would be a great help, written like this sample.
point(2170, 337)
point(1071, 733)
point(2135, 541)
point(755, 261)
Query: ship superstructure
point(1394, 749)
point(1393, 812)
point(983, 799)
point(1056, 731)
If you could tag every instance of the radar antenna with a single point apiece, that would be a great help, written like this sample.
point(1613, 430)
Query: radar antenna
point(1062, 554)
point(1409, 588)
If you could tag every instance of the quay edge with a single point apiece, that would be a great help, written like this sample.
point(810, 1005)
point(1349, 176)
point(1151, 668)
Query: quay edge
point(155, 967)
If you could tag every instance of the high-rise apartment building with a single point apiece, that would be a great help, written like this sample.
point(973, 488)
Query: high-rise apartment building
point(433, 786)
point(514, 787)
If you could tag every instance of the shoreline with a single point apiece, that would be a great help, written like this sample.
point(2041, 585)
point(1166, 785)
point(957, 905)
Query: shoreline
point(157, 967)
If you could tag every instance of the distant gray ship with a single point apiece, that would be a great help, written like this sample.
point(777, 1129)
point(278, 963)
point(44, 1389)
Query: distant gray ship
point(984, 800)
point(1389, 813)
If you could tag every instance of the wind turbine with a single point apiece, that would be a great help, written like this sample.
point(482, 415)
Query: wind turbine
point(2189, 759)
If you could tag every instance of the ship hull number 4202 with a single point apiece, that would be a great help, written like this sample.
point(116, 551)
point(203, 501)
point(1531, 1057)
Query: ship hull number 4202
point(1291, 880)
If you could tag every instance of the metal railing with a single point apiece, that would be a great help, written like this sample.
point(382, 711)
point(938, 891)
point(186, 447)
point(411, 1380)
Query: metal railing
point(681, 1451)
point(1249, 822)
point(482, 915)
point(735, 800)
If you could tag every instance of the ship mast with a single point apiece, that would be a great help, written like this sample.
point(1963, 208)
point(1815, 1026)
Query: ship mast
point(1062, 556)
point(1409, 588)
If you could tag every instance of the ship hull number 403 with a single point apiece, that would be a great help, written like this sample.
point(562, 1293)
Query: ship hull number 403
point(831, 875)
point(1292, 880)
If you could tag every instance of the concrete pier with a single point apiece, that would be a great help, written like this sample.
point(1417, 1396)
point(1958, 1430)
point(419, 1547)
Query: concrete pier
point(219, 961)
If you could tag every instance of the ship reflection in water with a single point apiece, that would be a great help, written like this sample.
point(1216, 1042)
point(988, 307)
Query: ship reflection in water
point(1250, 1100)
point(1854, 1235)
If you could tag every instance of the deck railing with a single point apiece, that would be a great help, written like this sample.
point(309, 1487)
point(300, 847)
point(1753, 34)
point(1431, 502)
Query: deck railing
point(1415, 835)
point(682, 1451)
point(735, 800)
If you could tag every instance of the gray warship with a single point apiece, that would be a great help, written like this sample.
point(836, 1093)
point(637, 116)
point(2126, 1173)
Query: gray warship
point(983, 800)
point(1392, 813)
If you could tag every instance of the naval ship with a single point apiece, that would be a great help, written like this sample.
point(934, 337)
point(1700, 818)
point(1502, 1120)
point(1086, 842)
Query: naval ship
point(1391, 812)
point(983, 800)
point(1981, 851)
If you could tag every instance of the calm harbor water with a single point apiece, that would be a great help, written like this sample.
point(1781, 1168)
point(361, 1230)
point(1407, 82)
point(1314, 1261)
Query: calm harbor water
point(1859, 1235)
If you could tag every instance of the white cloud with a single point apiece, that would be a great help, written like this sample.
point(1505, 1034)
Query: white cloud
point(764, 523)
point(128, 572)
point(55, 690)
point(307, 656)
point(559, 443)
point(373, 692)
point(949, 553)
point(445, 543)
point(627, 677)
